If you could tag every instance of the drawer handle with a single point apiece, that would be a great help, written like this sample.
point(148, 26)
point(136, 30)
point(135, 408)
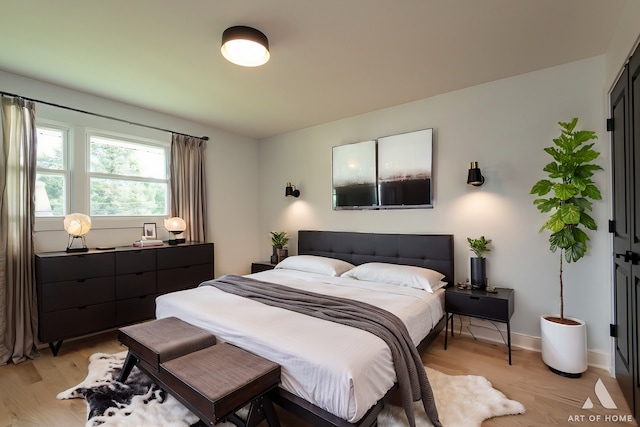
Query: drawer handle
point(140, 273)
point(476, 298)
point(82, 280)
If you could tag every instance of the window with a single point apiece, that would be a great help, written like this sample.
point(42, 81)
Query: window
point(100, 173)
point(126, 177)
point(52, 174)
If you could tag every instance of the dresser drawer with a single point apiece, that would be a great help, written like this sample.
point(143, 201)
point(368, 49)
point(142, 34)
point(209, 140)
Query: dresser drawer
point(135, 285)
point(136, 261)
point(74, 322)
point(77, 293)
point(478, 305)
point(180, 256)
point(72, 267)
point(135, 309)
point(177, 279)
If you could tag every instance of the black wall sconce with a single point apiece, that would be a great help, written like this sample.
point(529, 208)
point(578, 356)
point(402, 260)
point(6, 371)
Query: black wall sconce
point(475, 177)
point(291, 191)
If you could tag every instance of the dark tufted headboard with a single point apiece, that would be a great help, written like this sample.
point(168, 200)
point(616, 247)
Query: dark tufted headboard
point(434, 251)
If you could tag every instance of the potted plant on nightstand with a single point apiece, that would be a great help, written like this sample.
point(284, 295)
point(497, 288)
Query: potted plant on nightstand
point(479, 264)
point(278, 240)
point(569, 191)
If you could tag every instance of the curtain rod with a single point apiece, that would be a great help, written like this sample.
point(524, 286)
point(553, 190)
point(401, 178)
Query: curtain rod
point(205, 138)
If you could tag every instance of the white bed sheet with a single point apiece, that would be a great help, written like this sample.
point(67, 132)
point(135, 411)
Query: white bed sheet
point(340, 369)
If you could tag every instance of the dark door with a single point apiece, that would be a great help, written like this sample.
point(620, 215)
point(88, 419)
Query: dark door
point(625, 112)
point(623, 295)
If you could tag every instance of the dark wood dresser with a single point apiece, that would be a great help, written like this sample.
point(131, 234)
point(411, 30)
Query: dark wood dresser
point(83, 293)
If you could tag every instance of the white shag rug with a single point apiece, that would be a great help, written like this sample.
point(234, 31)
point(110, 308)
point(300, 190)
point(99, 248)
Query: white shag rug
point(462, 400)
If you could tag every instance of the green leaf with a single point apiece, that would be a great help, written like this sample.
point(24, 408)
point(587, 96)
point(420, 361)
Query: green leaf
point(564, 191)
point(541, 187)
point(552, 169)
point(577, 247)
point(582, 136)
point(545, 205)
point(592, 192)
point(582, 203)
point(560, 239)
point(579, 184)
point(569, 213)
point(569, 126)
point(588, 222)
point(555, 223)
point(586, 171)
point(557, 155)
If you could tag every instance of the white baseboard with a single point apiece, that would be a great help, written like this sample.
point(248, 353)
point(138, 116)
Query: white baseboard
point(494, 332)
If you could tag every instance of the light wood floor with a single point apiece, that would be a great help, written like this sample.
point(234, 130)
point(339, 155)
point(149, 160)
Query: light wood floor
point(28, 390)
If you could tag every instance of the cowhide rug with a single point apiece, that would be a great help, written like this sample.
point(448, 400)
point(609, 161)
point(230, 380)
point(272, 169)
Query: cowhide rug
point(462, 400)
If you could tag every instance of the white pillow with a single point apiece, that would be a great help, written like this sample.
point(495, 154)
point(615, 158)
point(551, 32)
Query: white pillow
point(399, 275)
point(315, 264)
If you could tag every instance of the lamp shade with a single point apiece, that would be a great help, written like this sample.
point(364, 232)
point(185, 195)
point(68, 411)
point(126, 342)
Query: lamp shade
point(245, 46)
point(475, 177)
point(291, 191)
point(175, 224)
point(77, 224)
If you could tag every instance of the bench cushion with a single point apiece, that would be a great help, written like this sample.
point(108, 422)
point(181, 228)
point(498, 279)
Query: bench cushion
point(220, 379)
point(164, 339)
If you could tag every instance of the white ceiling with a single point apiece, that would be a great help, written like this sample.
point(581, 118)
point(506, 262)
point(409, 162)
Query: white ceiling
point(330, 59)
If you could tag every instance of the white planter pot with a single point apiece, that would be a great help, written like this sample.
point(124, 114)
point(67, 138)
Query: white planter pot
point(564, 347)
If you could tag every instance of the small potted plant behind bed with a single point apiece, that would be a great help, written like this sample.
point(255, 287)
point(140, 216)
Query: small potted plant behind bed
point(569, 192)
point(279, 239)
point(479, 264)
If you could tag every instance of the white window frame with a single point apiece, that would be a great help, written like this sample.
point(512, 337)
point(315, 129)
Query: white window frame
point(130, 140)
point(66, 164)
point(77, 166)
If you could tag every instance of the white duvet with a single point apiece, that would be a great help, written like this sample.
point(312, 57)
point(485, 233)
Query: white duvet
point(340, 369)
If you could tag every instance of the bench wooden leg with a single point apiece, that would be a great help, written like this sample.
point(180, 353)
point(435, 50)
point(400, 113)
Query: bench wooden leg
point(259, 410)
point(129, 363)
point(270, 412)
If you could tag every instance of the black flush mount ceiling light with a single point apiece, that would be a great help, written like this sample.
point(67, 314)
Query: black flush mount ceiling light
point(291, 191)
point(475, 177)
point(245, 46)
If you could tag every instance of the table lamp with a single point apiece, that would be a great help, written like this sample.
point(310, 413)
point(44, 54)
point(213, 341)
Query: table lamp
point(175, 225)
point(77, 225)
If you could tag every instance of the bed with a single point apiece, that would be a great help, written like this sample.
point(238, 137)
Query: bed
point(332, 375)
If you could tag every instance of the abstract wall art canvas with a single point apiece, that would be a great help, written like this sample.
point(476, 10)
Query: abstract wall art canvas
point(354, 176)
point(405, 176)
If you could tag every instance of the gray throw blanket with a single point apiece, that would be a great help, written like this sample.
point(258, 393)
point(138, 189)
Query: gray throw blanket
point(412, 378)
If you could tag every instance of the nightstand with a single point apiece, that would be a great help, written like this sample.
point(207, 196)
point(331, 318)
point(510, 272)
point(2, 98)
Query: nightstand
point(481, 304)
point(257, 267)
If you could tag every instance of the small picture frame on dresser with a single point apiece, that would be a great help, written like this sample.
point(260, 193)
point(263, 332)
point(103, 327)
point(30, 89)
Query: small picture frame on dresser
point(149, 231)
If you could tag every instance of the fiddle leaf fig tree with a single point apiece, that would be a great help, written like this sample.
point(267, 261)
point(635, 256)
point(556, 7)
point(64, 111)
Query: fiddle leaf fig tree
point(567, 194)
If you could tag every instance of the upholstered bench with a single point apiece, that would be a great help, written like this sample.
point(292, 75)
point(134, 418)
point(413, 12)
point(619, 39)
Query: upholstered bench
point(155, 342)
point(212, 380)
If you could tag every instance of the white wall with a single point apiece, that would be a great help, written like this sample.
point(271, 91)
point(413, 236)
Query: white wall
point(504, 125)
point(625, 37)
point(231, 170)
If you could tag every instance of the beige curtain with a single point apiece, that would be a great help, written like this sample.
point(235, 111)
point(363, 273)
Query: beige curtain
point(18, 312)
point(188, 191)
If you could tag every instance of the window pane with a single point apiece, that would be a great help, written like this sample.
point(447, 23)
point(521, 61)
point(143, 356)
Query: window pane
point(127, 198)
point(50, 149)
point(50, 194)
point(128, 159)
